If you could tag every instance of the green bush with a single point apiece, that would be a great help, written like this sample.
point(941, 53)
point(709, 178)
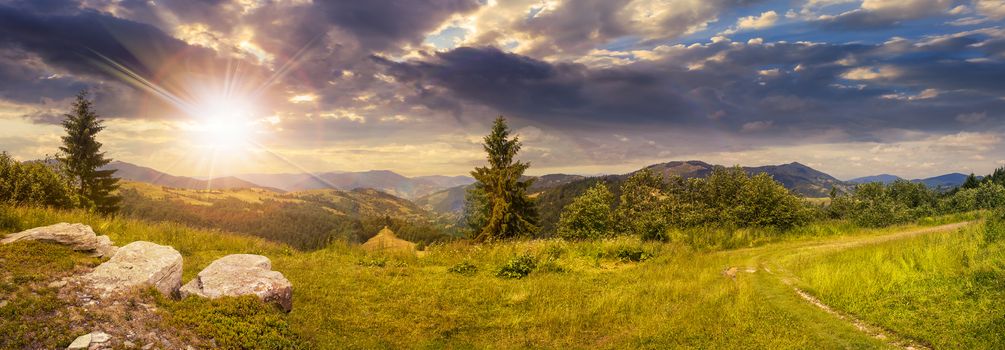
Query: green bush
point(464, 268)
point(372, 262)
point(879, 205)
point(32, 184)
point(588, 216)
point(994, 227)
point(632, 254)
point(517, 267)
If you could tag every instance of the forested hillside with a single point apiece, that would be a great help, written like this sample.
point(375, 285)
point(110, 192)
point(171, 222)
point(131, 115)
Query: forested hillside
point(306, 220)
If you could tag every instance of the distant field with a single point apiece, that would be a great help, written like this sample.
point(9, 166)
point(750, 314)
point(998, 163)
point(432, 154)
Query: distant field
point(591, 294)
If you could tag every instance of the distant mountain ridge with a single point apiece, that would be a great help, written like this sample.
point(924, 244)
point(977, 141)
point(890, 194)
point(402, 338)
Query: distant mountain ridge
point(382, 180)
point(944, 182)
point(882, 178)
point(138, 173)
point(798, 178)
point(941, 183)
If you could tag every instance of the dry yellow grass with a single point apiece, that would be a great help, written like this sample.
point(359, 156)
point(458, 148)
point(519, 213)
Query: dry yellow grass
point(387, 241)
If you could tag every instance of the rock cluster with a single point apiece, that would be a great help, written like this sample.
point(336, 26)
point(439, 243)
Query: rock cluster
point(148, 264)
point(242, 274)
point(79, 237)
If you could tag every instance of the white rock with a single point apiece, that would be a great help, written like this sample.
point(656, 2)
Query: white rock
point(79, 237)
point(82, 342)
point(99, 337)
point(242, 274)
point(138, 263)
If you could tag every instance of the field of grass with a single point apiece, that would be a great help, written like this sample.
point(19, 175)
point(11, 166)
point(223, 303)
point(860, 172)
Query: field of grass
point(946, 290)
point(616, 293)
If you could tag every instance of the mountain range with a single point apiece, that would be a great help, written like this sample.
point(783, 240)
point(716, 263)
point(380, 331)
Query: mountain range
point(383, 180)
point(940, 183)
point(557, 190)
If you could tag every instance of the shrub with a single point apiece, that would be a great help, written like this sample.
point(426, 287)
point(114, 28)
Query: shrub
point(32, 184)
point(517, 267)
point(372, 262)
point(464, 268)
point(589, 216)
point(632, 254)
point(994, 227)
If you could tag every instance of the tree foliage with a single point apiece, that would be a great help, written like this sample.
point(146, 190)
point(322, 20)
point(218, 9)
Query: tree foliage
point(878, 205)
point(641, 210)
point(32, 184)
point(508, 211)
point(82, 157)
point(588, 216)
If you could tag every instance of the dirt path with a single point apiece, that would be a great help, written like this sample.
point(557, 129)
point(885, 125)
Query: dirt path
point(884, 335)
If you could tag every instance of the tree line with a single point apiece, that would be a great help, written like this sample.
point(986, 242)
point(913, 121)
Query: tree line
point(655, 207)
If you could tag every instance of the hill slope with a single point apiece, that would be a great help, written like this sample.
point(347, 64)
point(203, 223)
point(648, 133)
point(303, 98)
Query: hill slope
point(943, 182)
point(306, 219)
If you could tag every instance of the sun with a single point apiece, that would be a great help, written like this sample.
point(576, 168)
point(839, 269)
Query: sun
point(224, 124)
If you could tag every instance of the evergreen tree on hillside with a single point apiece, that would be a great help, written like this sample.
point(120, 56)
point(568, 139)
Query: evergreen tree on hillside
point(505, 211)
point(971, 182)
point(81, 157)
point(997, 177)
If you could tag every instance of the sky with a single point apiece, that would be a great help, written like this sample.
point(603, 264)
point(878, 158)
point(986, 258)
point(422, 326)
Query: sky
point(914, 88)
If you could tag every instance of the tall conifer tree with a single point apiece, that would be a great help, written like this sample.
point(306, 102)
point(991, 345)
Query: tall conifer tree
point(500, 207)
point(82, 157)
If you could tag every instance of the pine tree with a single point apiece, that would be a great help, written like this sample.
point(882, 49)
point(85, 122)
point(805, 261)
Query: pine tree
point(971, 182)
point(506, 211)
point(82, 157)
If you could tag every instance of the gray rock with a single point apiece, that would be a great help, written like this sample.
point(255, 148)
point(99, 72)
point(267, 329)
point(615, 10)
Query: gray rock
point(242, 274)
point(82, 342)
point(137, 264)
point(79, 237)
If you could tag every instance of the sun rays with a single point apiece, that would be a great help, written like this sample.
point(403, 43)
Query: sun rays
point(223, 114)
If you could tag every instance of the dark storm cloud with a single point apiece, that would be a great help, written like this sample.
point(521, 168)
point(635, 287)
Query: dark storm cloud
point(53, 56)
point(77, 42)
point(525, 86)
point(770, 89)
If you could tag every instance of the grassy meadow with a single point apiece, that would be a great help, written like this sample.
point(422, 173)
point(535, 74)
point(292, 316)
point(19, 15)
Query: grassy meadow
point(612, 293)
point(946, 289)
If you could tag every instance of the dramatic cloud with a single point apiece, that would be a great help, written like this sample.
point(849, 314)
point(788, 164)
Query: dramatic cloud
point(592, 86)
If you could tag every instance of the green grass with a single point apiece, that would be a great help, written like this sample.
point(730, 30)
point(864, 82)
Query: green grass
point(614, 293)
point(945, 289)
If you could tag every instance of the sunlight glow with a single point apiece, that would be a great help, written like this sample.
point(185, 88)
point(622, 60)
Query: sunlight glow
point(226, 124)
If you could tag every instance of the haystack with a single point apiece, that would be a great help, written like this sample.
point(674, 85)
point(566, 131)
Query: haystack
point(387, 241)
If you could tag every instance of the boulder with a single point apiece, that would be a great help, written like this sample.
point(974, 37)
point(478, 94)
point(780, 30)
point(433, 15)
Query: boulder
point(242, 274)
point(79, 237)
point(136, 264)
